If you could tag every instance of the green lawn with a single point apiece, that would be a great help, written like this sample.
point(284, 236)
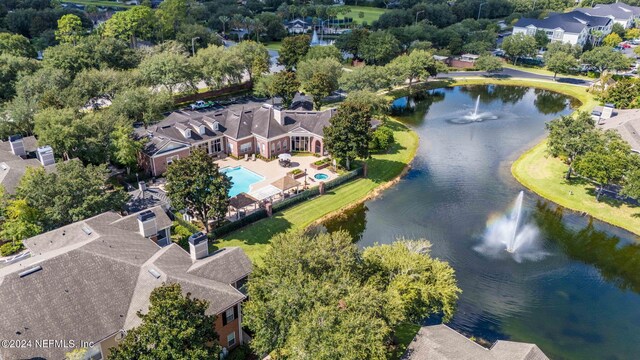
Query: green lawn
point(383, 168)
point(104, 3)
point(542, 71)
point(276, 45)
point(544, 175)
point(371, 14)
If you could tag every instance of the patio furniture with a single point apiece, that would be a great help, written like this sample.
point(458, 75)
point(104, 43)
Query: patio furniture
point(284, 160)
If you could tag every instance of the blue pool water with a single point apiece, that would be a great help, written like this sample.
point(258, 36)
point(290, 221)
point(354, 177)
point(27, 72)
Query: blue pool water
point(321, 176)
point(241, 179)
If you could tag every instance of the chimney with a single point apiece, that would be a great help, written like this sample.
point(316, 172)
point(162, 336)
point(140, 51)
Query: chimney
point(147, 223)
point(198, 246)
point(278, 115)
point(45, 155)
point(17, 145)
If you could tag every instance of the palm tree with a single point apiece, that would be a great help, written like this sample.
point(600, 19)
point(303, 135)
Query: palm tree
point(223, 19)
point(258, 28)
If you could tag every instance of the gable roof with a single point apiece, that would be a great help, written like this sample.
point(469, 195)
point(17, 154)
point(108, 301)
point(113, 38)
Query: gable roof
point(619, 11)
point(235, 123)
point(573, 22)
point(92, 283)
point(440, 342)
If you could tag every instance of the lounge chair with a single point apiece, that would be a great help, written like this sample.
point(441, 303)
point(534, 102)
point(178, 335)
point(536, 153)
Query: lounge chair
point(253, 157)
point(246, 157)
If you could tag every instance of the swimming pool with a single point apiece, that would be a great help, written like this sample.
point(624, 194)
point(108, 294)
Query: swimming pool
point(241, 179)
point(321, 176)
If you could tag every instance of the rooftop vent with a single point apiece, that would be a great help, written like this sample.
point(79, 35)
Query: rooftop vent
point(87, 230)
point(154, 273)
point(17, 145)
point(45, 155)
point(4, 166)
point(30, 271)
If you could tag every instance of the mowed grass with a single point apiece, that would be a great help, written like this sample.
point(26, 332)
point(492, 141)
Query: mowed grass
point(254, 239)
point(404, 334)
point(103, 3)
point(276, 45)
point(541, 71)
point(371, 14)
point(544, 175)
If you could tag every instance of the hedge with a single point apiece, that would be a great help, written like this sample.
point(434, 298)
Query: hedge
point(233, 226)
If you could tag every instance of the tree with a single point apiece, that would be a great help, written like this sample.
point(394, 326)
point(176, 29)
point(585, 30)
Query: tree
point(561, 62)
point(416, 65)
point(124, 147)
point(11, 68)
point(571, 137)
point(254, 57)
point(379, 47)
point(69, 29)
point(168, 69)
point(338, 302)
point(541, 39)
point(382, 138)
point(604, 58)
point(72, 193)
point(319, 77)
point(489, 63)
point(170, 14)
point(632, 33)
point(556, 46)
point(349, 42)
point(320, 52)
point(218, 66)
point(519, 45)
point(137, 22)
point(612, 40)
point(369, 77)
point(618, 29)
point(175, 327)
point(16, 45)
point(286, 85)
point(606, 162)
point(224, 20)
point(196, 185)
point(349, 133)
point(21, 221)
point(141, 104)
point(293, 50)
point(631, 186)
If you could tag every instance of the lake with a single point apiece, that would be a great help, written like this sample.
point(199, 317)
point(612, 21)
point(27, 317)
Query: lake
point(574, 294)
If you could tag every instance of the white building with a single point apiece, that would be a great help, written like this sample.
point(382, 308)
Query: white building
point(620, 13)
point(573, 27)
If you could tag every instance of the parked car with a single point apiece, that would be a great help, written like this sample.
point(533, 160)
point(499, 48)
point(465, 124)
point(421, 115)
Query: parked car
point(624, 45)
point(199, 105)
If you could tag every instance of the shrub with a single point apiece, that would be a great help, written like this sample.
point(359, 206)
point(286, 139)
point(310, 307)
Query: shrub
point(242, 352)
point(382, 138)
point(11, 248)
point(295, 171)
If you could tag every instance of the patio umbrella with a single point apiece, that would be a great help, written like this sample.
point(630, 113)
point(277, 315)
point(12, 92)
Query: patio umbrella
point(284, 156)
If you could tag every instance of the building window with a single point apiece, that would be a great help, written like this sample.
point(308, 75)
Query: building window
point(217, 145)
point(300, 143)
point(245, 148)
point(231, 339)
point(284, 144)
point(93, 353)
point(171, 159)
point(273, 146)
point(229, 315)
point(278, 145)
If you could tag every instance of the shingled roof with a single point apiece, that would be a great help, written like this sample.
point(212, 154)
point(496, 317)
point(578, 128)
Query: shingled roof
point(440, 342)
point(95, 275)
point(572, 22)
point(237, 123)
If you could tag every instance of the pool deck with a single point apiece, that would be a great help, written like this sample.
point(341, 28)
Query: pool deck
point(272, 171)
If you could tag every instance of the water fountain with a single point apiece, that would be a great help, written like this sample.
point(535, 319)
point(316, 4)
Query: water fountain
point(509, 234)
point(314, 38)
point(474, 116)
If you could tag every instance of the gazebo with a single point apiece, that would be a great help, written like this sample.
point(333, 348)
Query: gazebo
point(286, 183)
point(241, 201)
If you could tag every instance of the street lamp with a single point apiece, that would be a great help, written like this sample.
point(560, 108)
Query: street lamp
point(193, 45)
point(418, 13)
point(480, 9)
point(305, 179)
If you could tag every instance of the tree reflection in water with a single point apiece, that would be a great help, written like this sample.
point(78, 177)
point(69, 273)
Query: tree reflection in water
point(617, 262)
